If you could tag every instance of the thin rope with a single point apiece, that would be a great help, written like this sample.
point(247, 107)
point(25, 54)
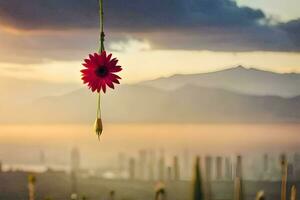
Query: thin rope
point(101, 49)
point(101, 21)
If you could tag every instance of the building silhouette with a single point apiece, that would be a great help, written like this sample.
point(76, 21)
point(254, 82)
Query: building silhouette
point(176, 168)
point(208, 168)
point(142, 164)
point(219, 168)
point(266, 163)
point(131, 169)
point(208, 177)
point(121, 164)
point(75, 167)
point(297, 166)
point(228, 169)
point(290, 172)
point(161, 167)
point(169, 173)
point(151, 161)
point(186, 165)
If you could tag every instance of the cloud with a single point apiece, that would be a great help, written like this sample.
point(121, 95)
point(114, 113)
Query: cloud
point(133, 15)
point(131, 45)
point(293, 30)
point(216, 25)
point(48, 14)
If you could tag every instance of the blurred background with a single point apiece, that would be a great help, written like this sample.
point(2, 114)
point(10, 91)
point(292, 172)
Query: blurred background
point(208, 106)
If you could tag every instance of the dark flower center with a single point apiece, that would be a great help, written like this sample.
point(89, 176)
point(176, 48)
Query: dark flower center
point(101, 71)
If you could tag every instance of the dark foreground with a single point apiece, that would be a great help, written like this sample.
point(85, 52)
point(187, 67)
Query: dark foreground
point(57, 186)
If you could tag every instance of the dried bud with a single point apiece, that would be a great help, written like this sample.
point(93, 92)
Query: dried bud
point(98, 127)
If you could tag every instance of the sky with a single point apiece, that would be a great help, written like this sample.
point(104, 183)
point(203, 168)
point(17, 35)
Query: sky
point(48, 39)
point(284, 10)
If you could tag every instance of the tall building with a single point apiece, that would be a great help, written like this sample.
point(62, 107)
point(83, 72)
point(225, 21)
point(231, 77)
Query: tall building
point(186, 165)
point(208, 177)
point(0, 166)
point(239, 172)
point(176, 168)
point(266, 163)
point(297, 166)
point(219, 168)
point(151, 165)
point(121, 164)
point(142, 164)
point(208, 168)
point(75, 167)
point(131, 169)
point(75, 160)
point(161, 167)
point(290, 172)
point(228, 169)
point(169, 173)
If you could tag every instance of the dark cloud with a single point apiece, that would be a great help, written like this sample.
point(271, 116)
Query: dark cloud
point(293, 30)
point(126, 15)
point(218, 25)
point(48, 14)
point(178, 15)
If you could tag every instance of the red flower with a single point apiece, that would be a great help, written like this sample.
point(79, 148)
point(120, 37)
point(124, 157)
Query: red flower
point(100, 71)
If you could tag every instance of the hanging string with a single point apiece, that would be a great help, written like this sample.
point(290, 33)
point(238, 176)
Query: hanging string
point(101, 49)
point(102, 35)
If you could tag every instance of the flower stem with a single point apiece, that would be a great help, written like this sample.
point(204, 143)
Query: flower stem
point(102, 35)
point(101, 20)
point(99, 106)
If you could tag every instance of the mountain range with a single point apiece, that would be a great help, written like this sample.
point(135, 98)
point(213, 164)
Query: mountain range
point(236, 95)
point(240, 79)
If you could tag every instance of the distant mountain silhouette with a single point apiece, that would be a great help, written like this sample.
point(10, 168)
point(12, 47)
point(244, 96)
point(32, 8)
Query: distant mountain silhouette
point(239, 79)
point(187, 99)
point(15, 90)
point(189, 104)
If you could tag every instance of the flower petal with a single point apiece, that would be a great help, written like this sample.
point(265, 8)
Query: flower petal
point(113, 62)
point(108, 58)
point(85, 71)
point(114, 76)
point(115, 69)
point(87, 61)
point(110, 84)
point(104, 88)
point(103, 54)
point(100, 59)
point(115, 81)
